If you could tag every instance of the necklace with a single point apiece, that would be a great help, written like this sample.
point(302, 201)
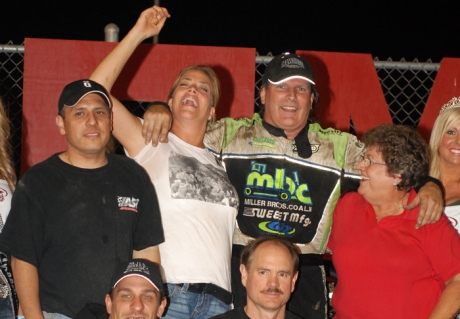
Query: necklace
point(397, 206)
point(396, 209)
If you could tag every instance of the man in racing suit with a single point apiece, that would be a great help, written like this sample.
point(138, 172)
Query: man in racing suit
point(288, 180)
point(289, 173)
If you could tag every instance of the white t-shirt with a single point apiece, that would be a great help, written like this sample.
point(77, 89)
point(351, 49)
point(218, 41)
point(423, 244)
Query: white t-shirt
point(198, 209)
point(5, 202)
point(453, 213)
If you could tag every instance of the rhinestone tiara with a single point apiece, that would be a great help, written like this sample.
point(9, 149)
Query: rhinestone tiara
point(455, 102)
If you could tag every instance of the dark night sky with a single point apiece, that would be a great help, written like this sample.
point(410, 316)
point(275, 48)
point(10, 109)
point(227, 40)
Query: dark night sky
point(396, 29)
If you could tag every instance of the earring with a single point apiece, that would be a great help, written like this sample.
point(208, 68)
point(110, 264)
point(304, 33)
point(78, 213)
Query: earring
point(395, 183)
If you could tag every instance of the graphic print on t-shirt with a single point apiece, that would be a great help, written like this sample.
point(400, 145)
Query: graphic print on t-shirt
point(3, 194)
point(191, 179)
point(452, 211)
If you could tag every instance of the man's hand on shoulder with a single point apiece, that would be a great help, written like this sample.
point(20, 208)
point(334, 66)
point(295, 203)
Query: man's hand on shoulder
point(157, 123)
point(431, 201)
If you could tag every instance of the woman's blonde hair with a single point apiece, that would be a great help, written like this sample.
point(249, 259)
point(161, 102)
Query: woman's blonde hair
point(446, 120)
point(215, 86)
point(6, 164)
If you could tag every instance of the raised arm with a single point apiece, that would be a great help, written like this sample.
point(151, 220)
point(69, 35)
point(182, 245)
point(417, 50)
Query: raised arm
point(126, 127)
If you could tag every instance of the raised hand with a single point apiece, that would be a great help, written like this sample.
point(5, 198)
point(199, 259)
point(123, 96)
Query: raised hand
point(151, 21)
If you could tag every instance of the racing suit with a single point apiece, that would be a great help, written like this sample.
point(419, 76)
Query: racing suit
point(286, 194)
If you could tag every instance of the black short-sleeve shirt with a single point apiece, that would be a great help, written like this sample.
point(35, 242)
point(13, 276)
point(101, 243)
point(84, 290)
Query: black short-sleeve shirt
point(75, 225)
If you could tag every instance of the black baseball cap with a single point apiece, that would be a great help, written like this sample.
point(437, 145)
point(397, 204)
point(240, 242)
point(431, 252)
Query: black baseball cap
point(142, 268)
point(287, 66)
point(77, 90)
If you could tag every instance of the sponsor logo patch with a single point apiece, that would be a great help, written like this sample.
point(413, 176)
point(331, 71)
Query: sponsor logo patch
point(128, 203)
point(314, 148)
point(276, 228)
point(330, 132)
point(263, 142)
point(278, 186)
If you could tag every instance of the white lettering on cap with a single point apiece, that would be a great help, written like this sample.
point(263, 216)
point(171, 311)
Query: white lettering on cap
point(292, 63)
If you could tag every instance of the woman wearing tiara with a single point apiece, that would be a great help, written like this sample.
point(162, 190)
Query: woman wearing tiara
point(445, 157)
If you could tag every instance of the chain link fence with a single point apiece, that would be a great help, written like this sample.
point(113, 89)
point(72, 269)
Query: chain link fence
point(406, 86)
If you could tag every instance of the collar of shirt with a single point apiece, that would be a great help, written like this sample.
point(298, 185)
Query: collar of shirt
point(301, 140)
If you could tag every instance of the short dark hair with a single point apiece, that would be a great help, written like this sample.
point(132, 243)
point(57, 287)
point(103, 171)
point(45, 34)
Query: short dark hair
point(403, 150)
point(248, 251)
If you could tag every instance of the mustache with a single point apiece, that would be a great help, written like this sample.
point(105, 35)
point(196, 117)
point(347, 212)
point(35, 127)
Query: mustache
point(273, 290)
point(137, 314)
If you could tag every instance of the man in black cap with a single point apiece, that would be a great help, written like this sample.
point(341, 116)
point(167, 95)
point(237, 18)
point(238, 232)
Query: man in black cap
point(290, 174)
point(79, 213)
point(136, 291)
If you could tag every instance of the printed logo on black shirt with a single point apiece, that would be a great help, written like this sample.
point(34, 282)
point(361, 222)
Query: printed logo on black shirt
point(128, 203)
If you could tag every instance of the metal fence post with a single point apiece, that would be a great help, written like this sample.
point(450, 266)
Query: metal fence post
point(111, 32)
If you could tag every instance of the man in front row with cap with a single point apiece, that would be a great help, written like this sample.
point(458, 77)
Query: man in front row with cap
point(136, 291)
point(79, 213)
